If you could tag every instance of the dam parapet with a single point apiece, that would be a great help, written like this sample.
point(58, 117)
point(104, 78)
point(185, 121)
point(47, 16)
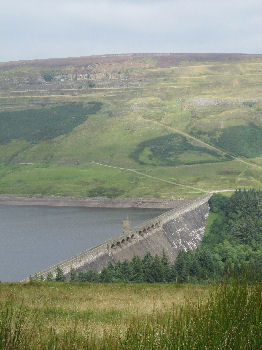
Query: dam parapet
point(179, 228)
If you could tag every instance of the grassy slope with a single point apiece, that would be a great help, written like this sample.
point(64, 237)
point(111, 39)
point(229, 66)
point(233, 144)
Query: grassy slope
point(156, 102)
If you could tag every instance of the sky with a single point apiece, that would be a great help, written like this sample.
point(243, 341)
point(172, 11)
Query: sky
point(33, 29)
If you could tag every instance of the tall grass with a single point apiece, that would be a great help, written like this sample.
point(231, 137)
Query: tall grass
point(13, 326)
point(230, 319)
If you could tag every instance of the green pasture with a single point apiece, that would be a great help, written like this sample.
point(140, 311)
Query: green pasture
point(95, 180)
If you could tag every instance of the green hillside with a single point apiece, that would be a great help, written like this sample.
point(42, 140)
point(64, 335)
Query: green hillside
point(131, 126)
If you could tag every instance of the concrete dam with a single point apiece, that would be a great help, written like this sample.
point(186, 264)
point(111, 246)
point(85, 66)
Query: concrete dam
point(176, 229)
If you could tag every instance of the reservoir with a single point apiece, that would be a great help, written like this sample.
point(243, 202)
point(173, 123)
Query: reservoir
point(33, 238)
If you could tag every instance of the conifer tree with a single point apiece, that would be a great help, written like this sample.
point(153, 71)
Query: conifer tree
point(158, 271)
point(147, 267)
point(49, 276)
point(126, 270)
point(73, 275)
point(106, 275)
point(137, 269)
point(60, 277)
point(166, 266)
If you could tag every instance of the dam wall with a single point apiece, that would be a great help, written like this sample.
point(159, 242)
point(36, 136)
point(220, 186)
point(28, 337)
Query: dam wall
point(180, 228)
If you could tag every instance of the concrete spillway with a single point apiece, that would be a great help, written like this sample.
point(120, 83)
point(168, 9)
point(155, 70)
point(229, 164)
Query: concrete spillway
point(180, 228)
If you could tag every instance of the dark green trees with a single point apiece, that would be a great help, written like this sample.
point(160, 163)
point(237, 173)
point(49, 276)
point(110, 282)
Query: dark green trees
point(60, 277)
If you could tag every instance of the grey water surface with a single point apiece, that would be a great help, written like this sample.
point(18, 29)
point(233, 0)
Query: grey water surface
point(33, 238)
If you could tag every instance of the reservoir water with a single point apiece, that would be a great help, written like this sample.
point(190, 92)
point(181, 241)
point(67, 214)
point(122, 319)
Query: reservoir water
point(33, 238)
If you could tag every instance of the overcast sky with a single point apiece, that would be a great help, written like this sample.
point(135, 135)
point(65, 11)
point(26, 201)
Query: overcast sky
point(32, 29)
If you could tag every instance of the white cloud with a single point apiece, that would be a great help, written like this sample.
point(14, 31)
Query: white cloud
point(80, 27)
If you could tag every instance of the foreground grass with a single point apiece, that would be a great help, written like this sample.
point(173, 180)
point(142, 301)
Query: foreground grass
point(121, 316)
point(98, 306)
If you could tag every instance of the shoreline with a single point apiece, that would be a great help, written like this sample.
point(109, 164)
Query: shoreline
point(52, 201)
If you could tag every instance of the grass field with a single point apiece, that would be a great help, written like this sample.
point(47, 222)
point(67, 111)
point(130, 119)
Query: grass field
point(53, 315)
point(98, 306)
point(181, 123)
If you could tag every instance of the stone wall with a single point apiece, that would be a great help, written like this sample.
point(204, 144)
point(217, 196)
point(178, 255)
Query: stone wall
point(180, 228)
